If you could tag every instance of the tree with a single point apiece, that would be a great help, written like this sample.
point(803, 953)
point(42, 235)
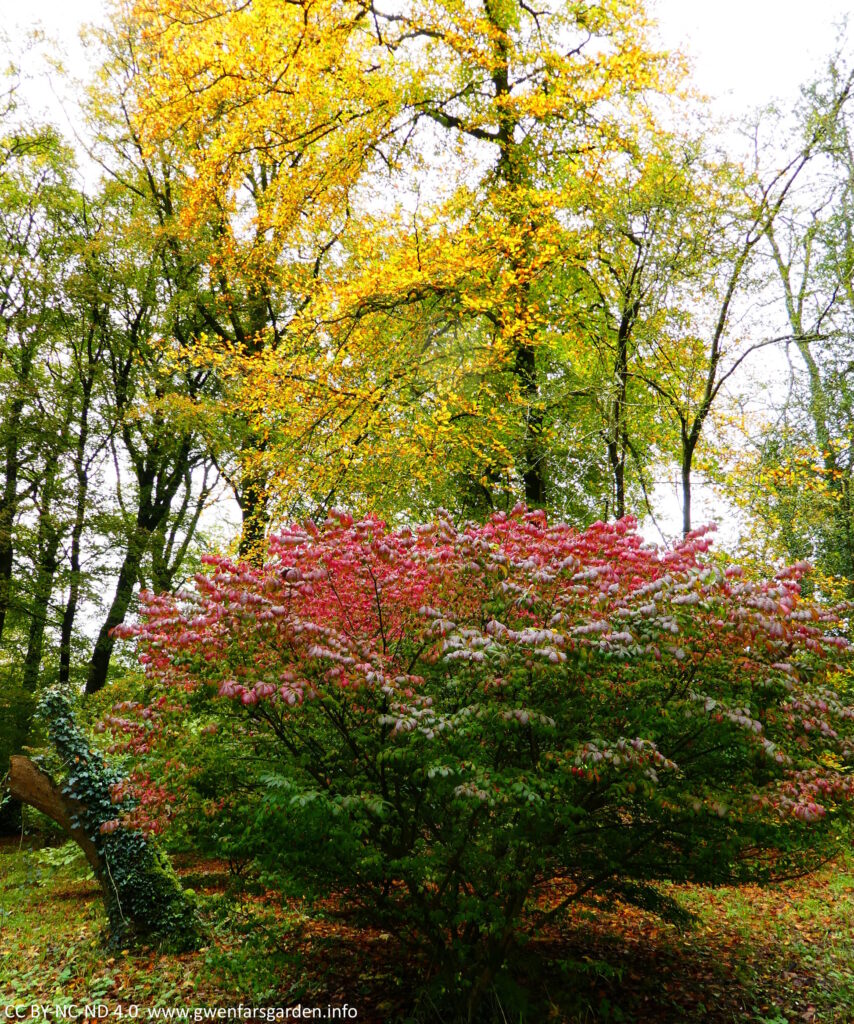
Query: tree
point(369, 328)
point(150, 404)
point(807, 465)
point(692, 365)
point(657, 225)
point(80, 377)
point(39, 228)
point(250, 180)
point(450, 722)
point(37, 209)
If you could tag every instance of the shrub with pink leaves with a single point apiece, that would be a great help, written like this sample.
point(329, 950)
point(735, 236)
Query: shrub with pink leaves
point(470, 728)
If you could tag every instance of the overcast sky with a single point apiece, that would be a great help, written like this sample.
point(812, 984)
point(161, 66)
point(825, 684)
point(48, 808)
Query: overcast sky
point(746, 52)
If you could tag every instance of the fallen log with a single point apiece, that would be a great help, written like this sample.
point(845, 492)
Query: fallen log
point(142, 894)
point(29, 784)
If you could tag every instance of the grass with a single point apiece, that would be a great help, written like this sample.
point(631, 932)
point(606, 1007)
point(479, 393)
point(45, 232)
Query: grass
point(770, 956)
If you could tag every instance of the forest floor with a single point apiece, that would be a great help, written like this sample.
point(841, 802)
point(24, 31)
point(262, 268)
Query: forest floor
point(773, 956)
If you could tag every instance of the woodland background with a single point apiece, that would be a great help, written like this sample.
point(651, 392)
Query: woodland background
point(395, 258)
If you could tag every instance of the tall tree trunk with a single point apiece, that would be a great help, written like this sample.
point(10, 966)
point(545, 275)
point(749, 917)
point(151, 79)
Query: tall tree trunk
point(99, 665)
point(255, 520)
point(511, 171)
point(159, 479)
point(168, 551)
point(688, 447)
point(48, 547)
point(9, 499)
point(618, 442)
point(532, 469)
point(686, 497)
point(69, 613)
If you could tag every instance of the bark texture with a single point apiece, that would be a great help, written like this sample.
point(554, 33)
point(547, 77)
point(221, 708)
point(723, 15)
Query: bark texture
point(32, 786)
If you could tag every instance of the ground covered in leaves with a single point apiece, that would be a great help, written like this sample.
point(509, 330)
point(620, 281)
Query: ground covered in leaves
point(780, 955)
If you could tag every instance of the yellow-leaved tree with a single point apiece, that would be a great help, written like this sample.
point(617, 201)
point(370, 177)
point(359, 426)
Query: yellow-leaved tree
point(393, 200)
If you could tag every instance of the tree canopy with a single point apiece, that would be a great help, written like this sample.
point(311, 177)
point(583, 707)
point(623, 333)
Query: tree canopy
point(337, 411)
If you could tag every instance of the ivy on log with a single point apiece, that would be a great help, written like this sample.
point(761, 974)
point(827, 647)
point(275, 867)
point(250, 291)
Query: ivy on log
point(142, 893)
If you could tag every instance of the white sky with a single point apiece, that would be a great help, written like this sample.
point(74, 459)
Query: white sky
point(745, 53)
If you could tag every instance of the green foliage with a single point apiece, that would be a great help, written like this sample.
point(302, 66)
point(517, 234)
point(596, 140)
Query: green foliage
point(16, 706)
point(143, 894)
point(473, 728)
point(67, 856)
